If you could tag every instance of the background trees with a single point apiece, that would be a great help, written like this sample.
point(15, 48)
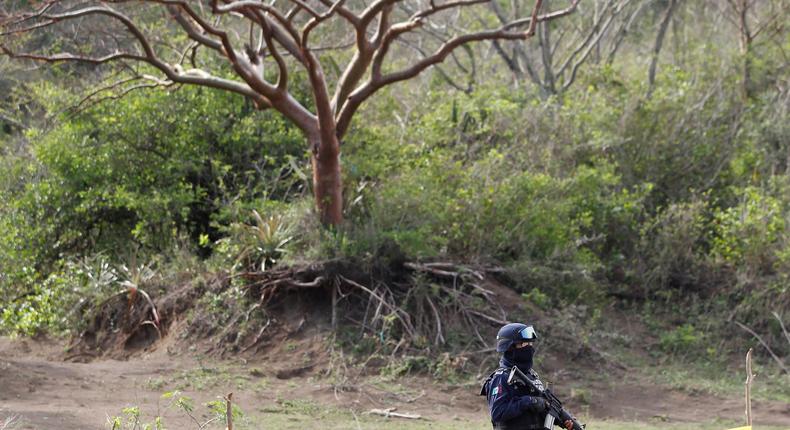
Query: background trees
point(588, 181)
point(252, 38)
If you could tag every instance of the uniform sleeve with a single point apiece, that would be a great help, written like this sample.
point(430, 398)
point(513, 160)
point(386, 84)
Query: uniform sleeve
point(503, 403)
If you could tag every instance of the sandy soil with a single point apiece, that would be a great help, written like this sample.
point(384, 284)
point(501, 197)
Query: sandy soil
point(49, 393)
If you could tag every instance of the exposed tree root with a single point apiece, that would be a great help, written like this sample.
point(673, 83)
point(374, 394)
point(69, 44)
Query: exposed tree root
point(129, 321)
point(412, 310)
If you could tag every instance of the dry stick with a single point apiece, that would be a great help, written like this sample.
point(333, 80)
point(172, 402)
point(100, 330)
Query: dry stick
point(258, 336)
point(230, 326)
point(415, 398)
point(389, 412)
point(762, 342)
point(229, 410)
point(474, 327)
point(781, 324)
point(423, 268)
point(748, 383)
point(484, 291)
point(356, 420)
point(439, 338)
point(334, 304)
point(488, 317)
point(395, 309)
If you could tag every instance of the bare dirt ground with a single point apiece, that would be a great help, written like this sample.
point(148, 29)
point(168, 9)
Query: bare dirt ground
point(46, 392)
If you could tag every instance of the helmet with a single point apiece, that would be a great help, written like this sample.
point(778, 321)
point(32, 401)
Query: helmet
point(514, 332)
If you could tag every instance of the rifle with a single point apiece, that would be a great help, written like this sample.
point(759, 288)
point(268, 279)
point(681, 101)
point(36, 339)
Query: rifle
point(555, 409)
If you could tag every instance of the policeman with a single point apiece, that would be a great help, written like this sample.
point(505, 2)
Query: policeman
point(516, 407)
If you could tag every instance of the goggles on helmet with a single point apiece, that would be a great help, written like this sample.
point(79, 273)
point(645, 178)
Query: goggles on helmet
point(528, 333)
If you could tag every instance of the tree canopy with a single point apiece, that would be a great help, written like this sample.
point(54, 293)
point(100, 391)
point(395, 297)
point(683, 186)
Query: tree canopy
point(261, 47)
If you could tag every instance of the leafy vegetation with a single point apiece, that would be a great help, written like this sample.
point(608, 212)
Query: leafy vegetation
point(674, 199)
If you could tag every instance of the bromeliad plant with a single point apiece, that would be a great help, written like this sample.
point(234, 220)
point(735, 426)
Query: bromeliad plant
point(260, 245)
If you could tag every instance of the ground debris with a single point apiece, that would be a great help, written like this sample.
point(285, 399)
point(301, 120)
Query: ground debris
point(390, 413)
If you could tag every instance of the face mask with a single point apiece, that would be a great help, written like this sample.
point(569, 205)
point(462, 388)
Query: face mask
point(522, 357)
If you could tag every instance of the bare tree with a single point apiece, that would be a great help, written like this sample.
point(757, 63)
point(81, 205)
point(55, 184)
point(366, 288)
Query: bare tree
point(265, 44)
point(754, 19)
point(553, 64)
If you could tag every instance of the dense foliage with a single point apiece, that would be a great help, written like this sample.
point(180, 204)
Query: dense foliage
point(675, 198)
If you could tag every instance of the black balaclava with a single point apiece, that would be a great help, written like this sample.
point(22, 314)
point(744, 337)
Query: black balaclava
point(521, 357)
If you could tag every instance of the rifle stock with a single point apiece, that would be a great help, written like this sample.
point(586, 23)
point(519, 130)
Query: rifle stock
point(555, 408)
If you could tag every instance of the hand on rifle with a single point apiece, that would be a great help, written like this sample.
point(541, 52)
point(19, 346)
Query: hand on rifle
point(568, 424)
point(537, 404)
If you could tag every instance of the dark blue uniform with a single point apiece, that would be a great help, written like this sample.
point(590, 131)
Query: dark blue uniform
point(514, 407)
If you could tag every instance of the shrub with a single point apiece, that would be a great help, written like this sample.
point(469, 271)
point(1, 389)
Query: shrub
point(753, 233)
point(682, 339)
point(671, 249)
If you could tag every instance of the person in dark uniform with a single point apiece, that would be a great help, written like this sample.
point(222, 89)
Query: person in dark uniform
point(516, 407)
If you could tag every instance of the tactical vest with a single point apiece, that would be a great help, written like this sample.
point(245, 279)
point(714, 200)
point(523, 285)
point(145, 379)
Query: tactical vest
point(527, 420)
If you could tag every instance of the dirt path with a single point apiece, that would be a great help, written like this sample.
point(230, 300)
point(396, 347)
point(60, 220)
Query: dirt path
point(48, 393)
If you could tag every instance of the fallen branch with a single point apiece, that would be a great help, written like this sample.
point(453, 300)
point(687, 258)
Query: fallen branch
point(258, 336)
point(484, 291)
point(487, 317)
point(439, 272)
point(417, 397)
point(448, 270)
point(390, 412)
point(398, 312)
point(762, 342)
point(439, 338)
point(781, 324)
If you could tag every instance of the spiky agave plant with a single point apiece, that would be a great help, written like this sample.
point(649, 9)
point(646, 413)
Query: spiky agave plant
point(136, 275)
point(264, 242)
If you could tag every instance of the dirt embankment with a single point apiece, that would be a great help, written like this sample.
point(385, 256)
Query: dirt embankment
point(129, 354)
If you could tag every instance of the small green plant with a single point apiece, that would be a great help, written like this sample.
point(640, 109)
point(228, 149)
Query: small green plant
point(130, 419)
point(155, 383)
point(408, 365)
point(681, 339)
point(260, 245)
point(219, 411)
point(539, 298)
point(136, 275)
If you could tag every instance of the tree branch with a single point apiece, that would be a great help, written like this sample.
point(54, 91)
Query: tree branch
point(378, 81)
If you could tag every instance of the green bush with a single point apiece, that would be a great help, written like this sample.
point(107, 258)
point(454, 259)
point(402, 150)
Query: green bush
point(682, 339)
point(753, 233)
point(142, 172)
point(672, 248)
point(154, 165)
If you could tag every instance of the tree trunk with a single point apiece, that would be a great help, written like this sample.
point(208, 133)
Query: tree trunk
point(746, 45)
point(662, 31)
point(327, 181)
